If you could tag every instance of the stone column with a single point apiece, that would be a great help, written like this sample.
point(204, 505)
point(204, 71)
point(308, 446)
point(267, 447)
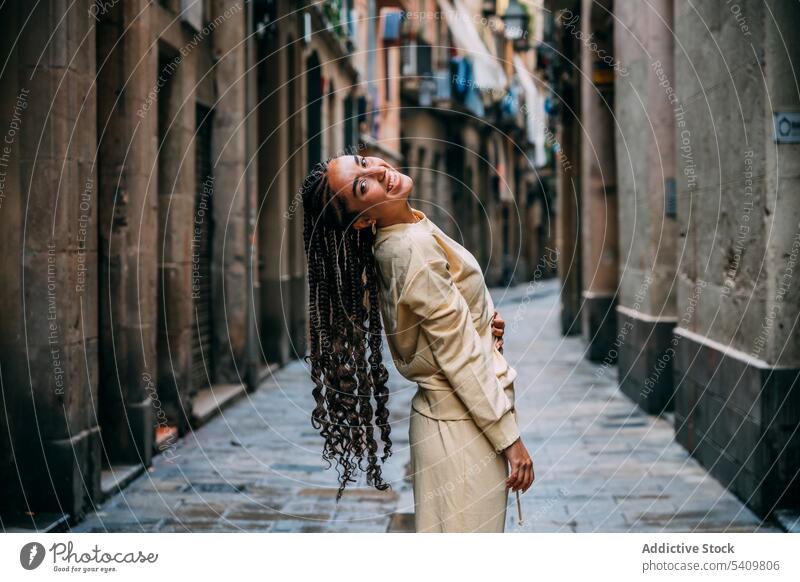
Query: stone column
point(599, 187)
point(737, 345)
point(176, 219)
point(251, 205)
point(645, 147)
point(273, 208)
point(48, 226)
point(128, 231)
point(518, 213)
point(494, 206)
point(228, 157)
point(568, 136)
point(11, 361)
point(297, 297)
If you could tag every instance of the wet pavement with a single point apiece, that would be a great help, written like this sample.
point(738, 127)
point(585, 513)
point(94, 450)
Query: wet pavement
point(601, 464)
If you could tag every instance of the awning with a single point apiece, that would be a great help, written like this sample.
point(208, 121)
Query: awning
point(487, 69)
point(535, 119)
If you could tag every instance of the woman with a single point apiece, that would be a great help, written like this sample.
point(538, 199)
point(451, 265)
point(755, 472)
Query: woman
point(371, 257)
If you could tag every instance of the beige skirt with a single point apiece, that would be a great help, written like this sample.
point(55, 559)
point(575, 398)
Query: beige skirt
point(458, 479)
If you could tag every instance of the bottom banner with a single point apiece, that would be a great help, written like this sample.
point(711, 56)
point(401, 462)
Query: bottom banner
point(388, 557)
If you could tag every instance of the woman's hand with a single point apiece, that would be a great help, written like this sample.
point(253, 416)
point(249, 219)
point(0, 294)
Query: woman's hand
point(521, 476)
point(498, 328)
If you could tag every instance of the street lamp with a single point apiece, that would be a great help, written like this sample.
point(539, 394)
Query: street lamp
point(516, 19)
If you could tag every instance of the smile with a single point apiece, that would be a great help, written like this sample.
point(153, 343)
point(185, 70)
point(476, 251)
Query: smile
point(393, 178)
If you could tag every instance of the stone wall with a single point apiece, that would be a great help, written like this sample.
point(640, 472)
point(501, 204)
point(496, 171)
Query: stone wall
point(738, 355)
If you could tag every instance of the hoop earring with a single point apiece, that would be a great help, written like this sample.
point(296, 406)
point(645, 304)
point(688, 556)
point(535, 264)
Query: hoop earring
point(374, 229)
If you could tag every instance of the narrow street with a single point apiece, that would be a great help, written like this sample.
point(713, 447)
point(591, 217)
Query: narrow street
point(601, 465)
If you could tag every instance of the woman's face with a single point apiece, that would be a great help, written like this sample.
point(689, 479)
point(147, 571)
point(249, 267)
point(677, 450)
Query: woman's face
point(370, 186)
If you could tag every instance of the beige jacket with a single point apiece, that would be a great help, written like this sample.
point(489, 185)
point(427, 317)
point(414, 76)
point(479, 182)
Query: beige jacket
point(437, 316)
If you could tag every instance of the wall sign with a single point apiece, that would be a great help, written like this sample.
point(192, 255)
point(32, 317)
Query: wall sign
point(787, 126)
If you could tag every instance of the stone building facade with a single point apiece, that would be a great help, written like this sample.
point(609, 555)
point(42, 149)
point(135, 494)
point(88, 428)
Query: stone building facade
point(737, 359)
point(125, 226)
point(681, 224)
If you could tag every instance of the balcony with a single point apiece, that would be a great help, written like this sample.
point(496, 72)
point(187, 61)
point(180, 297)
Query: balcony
point(331, 22)
point(335, 19)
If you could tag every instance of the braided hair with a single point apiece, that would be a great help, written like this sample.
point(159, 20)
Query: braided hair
point(345, 321)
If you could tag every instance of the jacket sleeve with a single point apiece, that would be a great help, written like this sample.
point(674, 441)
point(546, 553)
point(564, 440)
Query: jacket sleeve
point(446, 321)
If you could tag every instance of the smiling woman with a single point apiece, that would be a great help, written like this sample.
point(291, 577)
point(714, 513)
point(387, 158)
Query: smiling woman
point(405, 275)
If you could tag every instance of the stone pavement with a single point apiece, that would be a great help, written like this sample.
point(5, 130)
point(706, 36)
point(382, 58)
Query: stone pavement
point(600, 464)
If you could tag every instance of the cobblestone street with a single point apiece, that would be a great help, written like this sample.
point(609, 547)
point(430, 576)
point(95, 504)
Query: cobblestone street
point(600, 464)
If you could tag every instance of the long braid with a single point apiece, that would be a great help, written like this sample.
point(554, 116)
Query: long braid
point(344, 316)
point(319, 341)
point(378, 373)
point(364, 384)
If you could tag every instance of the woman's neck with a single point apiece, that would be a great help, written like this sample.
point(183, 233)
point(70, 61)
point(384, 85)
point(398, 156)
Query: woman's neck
point(404, 214)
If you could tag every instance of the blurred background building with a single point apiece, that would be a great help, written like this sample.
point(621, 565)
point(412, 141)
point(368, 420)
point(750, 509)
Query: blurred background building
point(153, 260)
